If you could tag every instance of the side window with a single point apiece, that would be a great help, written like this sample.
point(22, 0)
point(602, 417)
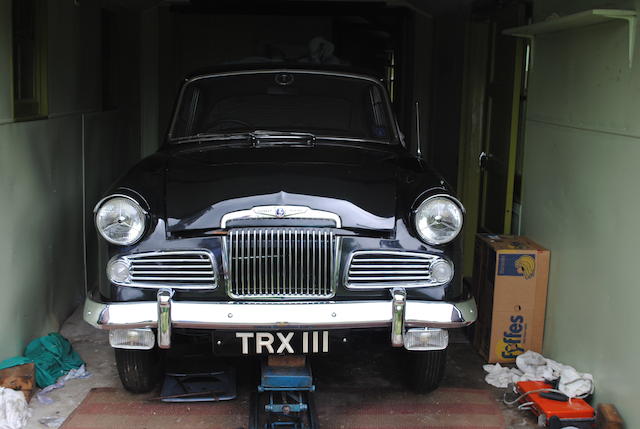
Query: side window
point(29, 59)
point(187, 112)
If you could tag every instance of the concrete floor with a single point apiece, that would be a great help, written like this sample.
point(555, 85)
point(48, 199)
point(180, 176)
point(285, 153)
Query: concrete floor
point(464, 370)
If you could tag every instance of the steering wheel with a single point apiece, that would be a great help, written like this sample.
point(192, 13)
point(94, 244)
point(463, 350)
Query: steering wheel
point(220, 124)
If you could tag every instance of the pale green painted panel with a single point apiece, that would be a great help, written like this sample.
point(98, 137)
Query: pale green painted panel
point(580, 201)
point(580, 174)
point(42, 269)
point(581, 78)
point(41, 211)
point(41, 208)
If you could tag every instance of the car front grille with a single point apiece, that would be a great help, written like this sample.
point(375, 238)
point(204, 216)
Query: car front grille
point(275, 263)
point(386, 268)
point(184, 269)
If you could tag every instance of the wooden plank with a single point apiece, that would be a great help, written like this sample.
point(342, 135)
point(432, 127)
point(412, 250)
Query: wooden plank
point(607, 417)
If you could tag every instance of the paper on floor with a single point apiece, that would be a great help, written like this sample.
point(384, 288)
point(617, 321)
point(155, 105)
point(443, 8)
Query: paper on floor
point(14, 411)
point(534, 366)
point(81, 372)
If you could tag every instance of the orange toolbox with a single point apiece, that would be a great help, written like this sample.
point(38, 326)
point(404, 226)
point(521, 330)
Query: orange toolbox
point(554, 410)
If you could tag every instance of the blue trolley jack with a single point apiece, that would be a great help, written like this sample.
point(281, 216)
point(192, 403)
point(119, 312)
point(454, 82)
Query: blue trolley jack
point(284, 398)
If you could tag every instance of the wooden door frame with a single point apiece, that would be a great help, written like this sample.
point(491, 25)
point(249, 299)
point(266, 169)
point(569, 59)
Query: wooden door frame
point(474, 133)
point(513, 138)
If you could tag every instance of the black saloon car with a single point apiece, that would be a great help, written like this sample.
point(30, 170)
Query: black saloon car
point(282, 211)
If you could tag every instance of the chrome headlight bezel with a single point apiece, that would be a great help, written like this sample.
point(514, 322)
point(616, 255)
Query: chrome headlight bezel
point(426, 232)
point(141, 219)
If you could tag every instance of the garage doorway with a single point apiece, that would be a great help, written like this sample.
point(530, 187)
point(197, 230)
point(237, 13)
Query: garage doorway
point(489, 170)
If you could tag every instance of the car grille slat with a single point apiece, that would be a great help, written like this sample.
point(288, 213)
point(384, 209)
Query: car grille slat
point(166, 272)
point(388, 268)
point(181, 269)
point(281, 263)
point(392, 266)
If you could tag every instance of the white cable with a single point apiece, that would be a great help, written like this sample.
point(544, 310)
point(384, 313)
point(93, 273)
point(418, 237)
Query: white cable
point(550, 390)
point(504, 399)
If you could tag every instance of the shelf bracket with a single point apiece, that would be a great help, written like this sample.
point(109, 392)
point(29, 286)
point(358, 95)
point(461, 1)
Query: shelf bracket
point(632, 29)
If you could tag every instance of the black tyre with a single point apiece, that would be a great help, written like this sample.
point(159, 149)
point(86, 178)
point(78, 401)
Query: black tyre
point(139, 370)
point(426, 370)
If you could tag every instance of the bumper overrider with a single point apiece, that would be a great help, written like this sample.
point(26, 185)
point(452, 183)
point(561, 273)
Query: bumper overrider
point(399, 314)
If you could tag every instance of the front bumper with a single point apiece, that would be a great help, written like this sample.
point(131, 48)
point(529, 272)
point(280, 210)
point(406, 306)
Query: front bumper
point(255, 316)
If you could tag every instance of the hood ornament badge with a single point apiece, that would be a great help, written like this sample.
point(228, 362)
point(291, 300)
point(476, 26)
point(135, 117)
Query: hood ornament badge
point(280, 212)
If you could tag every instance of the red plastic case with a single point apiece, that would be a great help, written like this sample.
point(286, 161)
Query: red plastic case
point(557, 414)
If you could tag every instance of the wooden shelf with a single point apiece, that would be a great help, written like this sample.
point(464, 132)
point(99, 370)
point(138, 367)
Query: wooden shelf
point(579, 20)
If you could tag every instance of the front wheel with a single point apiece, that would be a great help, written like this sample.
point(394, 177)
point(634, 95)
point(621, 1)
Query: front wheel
point(426, 369)
point(139, 370)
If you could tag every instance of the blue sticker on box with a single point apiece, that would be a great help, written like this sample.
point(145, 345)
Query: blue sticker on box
point(517, 265)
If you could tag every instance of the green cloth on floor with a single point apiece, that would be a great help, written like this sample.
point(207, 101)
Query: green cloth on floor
point(52, 355)
point(14, 361)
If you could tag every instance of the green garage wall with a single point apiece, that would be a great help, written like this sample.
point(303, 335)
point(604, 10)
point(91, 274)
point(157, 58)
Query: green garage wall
point(581, 199)
point(53, 170)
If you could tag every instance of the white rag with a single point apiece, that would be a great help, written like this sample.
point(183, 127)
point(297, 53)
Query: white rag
point(14, 411)
point(533, 366)
point(81, 372)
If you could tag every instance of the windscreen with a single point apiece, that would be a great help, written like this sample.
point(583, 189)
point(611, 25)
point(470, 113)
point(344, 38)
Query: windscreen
point(322, 104)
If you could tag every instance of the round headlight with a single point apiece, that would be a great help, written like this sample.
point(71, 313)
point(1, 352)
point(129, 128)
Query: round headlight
point(119, 271)
point(120, 220)
point(441, 271)
point(438, 219)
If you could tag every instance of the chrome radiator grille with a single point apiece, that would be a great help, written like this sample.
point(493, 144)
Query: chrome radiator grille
point(180, 269)
point(386, 268)
point(281, 262)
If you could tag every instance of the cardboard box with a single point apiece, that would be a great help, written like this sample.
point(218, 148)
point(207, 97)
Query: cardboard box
point(510, 286)
point(21, 378)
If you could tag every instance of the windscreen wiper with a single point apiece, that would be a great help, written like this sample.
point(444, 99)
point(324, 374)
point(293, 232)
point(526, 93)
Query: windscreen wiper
point(276, 138)
point(207, 137)
point(256, 138)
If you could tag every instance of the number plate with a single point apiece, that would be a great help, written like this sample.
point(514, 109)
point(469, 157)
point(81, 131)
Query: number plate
point(283, 342)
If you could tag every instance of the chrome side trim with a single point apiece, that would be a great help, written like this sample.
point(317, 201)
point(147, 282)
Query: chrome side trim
point(274, 315)
point(108, 197)
point(127, 197)
point(427, 314)
point(281, 212)
point(449, 196)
